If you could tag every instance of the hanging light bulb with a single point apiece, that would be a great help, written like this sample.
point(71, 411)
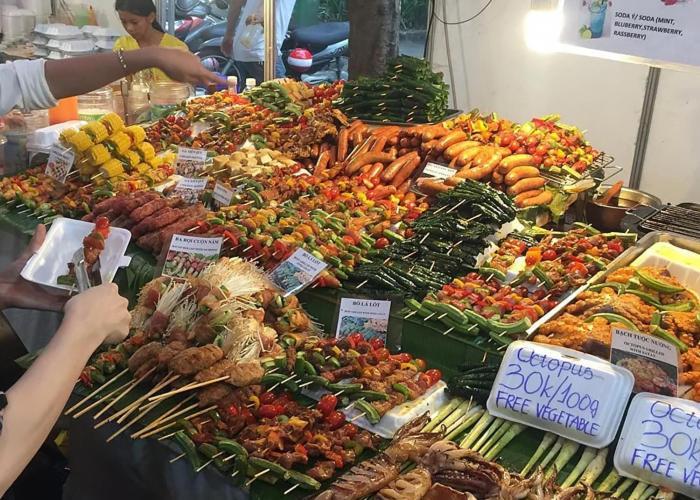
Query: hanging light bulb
point(543, 25)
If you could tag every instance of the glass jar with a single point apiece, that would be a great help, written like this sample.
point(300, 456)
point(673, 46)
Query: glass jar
point(94, 105)
point(166, 95)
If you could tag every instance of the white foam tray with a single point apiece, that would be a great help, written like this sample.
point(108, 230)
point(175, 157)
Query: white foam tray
point(62, 241)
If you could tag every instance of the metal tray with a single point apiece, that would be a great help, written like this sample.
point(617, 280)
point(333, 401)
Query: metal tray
point(624, 259)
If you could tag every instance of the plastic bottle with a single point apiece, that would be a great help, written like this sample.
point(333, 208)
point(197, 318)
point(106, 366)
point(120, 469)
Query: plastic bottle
point(232, 84)
point(250, 83)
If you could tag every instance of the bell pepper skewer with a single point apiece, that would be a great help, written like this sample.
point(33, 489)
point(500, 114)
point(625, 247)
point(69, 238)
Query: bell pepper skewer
point(97, 390)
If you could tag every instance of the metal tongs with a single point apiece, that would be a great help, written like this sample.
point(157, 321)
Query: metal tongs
point(86, 276)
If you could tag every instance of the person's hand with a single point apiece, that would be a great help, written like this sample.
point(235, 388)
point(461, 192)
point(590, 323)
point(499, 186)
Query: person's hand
point(15, 291)
point(100, 312)
point(184, 67)
point(227, 45)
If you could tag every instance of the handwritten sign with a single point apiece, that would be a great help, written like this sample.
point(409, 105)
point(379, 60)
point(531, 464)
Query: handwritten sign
point(189, 188)
point(437, 171)
point(560, 390)
point(660, 443)
point(367, 317)
point(297, 271)
point(223, 194)
point(60, 163)
point(190, 162)
point(652, 361)
point(190, 255)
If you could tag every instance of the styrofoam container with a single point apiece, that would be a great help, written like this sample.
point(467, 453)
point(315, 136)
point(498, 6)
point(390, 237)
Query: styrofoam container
point(55, 55)
point(659, 443)
point(88, 30)
point(683, 264)
point(105, 44)
point(107, 33)
point(575, 395)
point(42, 139)
point(76, 46)
point(39, 40)
point(434, 398)
point(59, 31)
point(41, 52)
point(63, 239)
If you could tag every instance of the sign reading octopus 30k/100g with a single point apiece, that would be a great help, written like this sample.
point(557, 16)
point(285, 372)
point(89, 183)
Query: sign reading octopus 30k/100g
point(574, 395)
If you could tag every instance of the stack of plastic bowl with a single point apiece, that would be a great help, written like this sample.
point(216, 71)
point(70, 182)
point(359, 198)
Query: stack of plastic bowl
point(62, 41)
point(105, 38)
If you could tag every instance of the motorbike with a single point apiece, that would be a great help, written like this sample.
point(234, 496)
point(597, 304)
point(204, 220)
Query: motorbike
point(329, 47)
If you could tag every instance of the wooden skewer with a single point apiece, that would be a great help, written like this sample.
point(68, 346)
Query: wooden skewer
point(166, 414)
point(410, 314)
point(261, 473)
point(133, 421)
point(127, 391)
point(483, 360)
point(188, 387)
point(126, 385)
point(208, 462)
point(449, 330)
point(456, 207)
point(489, 278)
point(173, 460)
point(99, 389)
point(442, 316)
point(354, 403)
point(356, 417)
point(429, 316)
point(362, 284)
point(235, 473)
point(196, 414)
point(287, 492)
point(123, 414)
point(25, 211)
point(305, 384)
point(98, 174)
point(192, 229)
point(424, 237)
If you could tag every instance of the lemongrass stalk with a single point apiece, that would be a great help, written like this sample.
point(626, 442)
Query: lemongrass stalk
point(638, 490)
point(552, 453)
point(595, 468)
point(587, 457)
point(568, 450)
point(461, 410)
point(651, 489)
point(495, 425)
point(471, 419)
point(495, 437)
point(476, 431)
point(624, 486)
point(546, 442)
point(514, 430)
point(609, 482)
point(442, 414)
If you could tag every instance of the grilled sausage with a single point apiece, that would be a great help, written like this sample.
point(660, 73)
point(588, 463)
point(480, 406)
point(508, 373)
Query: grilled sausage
point(513, 161)
point(518, 173)
point(526, 185)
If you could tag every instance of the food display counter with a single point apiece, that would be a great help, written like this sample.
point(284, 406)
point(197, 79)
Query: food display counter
point(321, 306)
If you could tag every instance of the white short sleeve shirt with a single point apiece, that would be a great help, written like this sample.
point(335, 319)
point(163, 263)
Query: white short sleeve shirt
point(23, 84)
point(256, 52)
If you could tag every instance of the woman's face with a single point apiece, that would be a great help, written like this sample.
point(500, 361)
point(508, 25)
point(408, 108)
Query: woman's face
point(136, 26)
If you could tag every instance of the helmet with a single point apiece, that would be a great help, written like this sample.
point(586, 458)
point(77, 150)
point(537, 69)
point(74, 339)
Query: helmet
point(300, 60)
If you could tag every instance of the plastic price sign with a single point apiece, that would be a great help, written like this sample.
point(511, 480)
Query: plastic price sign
point(60, 163)
point(559, 390)
point(296, 272)
point(188, 256)
point(660, 443)
point(367, 317)
point(190, 162)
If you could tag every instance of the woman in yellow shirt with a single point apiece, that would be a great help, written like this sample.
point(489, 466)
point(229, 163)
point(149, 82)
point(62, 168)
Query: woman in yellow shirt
point(139, 20)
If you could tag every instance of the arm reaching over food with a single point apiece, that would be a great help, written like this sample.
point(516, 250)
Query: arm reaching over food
point(36, 400)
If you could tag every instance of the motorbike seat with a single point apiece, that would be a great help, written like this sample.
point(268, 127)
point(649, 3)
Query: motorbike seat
point(323, 34)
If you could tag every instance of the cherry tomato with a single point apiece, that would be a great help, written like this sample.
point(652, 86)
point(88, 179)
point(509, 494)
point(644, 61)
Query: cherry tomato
point(349, 240)
point(267, 398)
point(403, 357)
point(578, 268)
point(514, 146)
point(270, 411)
point(355, 338)
point(335, 419)
point(349, 430)
point(232, 410)
point(301, 449)
point(382, 354)
point(549, 254)
point(434, 375)
point(376, 343)
point(615, 246)
point(327, 404)
point(381, 243)
point(424, 381)
point(537, 160)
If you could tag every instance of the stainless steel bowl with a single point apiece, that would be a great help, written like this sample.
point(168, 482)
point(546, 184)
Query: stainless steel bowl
point(609, 217)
